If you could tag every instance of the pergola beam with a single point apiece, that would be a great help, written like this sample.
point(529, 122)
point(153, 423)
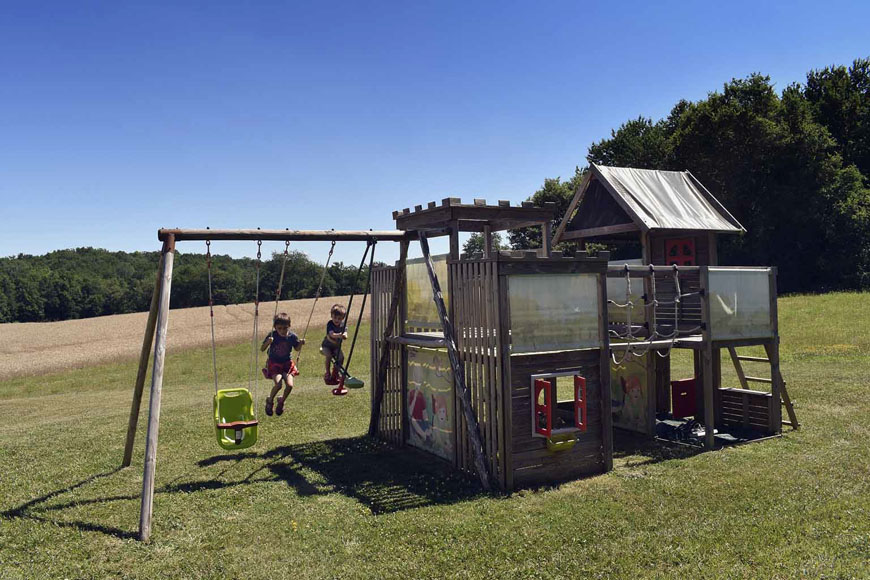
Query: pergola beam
point(182, 235)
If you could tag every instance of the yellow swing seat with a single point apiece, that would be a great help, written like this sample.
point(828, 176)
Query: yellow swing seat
point(235, 424)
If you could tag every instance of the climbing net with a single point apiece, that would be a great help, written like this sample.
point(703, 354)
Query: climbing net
point(639, 345)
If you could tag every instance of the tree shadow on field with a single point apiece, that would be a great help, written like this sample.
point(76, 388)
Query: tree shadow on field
point(384, 478)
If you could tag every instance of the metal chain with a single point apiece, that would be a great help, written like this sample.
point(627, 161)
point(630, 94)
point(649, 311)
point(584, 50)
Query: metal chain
point(281, 277)
point(254, 359)
point(316, 298)
point(211, 314)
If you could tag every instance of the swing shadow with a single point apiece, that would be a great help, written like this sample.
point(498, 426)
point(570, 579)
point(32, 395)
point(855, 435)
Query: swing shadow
point(384, 478)
point(32, 510)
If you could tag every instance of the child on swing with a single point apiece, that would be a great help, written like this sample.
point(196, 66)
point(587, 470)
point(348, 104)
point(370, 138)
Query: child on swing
point(331, 345)
point(280, 368)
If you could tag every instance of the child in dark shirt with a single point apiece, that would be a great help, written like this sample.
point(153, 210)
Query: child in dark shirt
point(331, 345)
point(280, 367)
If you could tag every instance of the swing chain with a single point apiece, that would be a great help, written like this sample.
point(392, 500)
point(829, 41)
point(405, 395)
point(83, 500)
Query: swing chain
point(316, 298)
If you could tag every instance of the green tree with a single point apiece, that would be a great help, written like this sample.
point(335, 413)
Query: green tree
point(839, 99)
point(554, 190)
point(475, 243)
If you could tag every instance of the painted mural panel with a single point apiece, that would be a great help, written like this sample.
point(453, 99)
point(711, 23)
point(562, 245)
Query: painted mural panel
point(430, 401)
point(630, 391)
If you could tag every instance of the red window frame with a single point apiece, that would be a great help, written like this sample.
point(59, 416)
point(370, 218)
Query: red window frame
point(543, 412)
point(580, 402)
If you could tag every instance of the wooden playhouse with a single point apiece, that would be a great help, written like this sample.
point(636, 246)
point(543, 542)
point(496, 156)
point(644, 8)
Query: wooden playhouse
point(517, 366)
point(504, 374)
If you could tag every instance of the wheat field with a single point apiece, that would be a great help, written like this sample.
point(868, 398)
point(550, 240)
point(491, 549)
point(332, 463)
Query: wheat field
point(36, 348)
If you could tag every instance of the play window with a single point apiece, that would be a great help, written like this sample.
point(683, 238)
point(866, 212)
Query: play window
point(558, 404)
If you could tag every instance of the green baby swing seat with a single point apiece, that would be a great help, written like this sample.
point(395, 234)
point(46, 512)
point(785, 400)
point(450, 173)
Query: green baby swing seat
point(235, 425)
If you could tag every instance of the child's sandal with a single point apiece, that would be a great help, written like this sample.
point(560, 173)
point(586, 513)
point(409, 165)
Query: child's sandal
point(269, 406)
point(279, 409)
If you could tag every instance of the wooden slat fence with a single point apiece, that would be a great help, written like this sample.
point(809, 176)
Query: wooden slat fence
point(475, 305)
point(391, 421)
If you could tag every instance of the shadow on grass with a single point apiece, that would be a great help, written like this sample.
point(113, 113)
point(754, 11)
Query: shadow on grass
point(31, 510)
point(381, 477)
point(627, 445)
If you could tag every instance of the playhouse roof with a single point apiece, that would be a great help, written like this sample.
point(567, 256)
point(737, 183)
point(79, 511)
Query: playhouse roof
point(618, 200)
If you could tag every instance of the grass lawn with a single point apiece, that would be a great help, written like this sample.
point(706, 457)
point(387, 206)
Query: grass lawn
point(315, 498)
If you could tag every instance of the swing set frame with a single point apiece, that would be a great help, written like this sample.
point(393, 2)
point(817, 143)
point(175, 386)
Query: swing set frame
point(157, 325)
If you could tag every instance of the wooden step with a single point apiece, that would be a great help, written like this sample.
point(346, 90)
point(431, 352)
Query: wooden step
point(759, 380)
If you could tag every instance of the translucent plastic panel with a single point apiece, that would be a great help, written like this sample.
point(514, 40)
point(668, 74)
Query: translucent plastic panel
point(421, 307)
point(553, 312)
point(616, 291)
point(740, 303)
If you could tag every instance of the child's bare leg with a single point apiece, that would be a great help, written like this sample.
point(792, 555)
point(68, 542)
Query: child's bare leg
point(288, 386)
point(276, 387)
point(326, 359)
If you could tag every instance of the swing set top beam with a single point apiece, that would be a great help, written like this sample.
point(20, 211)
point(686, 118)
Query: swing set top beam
point(181, 235)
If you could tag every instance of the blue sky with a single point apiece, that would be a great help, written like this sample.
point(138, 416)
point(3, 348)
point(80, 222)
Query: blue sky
point(117, 119)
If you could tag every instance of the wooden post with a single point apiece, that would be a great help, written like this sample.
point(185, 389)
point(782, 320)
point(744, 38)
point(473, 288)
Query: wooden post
point(456, 365)
point(487, 241)
point(144, 357)
point(547, 237)
point(707, 360)
point(378, 394)
point(156, 391)
point(604, 374)
point(772, 349)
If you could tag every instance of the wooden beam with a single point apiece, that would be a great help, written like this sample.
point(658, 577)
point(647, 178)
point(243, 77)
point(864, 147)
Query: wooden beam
point(144, 357)
point(707, 362)
point(186, 235)
point(741, 376)
point(579, 193)
point(458, 373)
point(383, 360)
point(602, 231)
point(156, 391)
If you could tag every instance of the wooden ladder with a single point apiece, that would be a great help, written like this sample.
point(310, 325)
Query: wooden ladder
point(772, 351)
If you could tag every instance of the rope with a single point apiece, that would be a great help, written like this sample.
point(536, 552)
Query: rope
point(211, 314)
point(350, 303)
point(362, 308)
point(316, 298)
point(281, 277)
point(254, 358)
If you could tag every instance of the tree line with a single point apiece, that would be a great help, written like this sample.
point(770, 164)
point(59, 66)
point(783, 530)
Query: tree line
point(791, 166)
point(86, 282)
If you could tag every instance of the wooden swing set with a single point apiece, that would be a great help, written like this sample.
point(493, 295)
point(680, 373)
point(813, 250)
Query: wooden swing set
point(235, 420)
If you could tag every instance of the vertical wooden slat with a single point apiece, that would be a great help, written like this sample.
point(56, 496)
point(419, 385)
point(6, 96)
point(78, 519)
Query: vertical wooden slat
point(384, 353)
point(505, 363)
